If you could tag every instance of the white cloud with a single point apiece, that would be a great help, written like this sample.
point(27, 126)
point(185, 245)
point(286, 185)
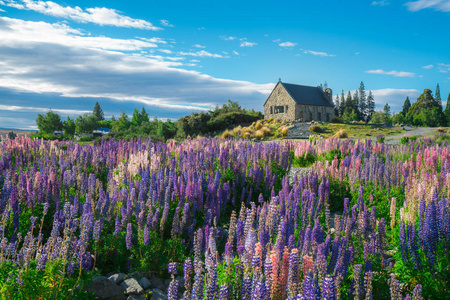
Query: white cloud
point(317, 53)
point(97, 15)
point(277, 41)
point(439, 5)
point(393, 73)
point(165, 51)
point(194, 60)
point(380, 3)
point(201, 53)
point(18, 31)
point(165, 23)
point(428, 67)
point(356, 53)
point(235, 52)
point(228, 38)
point(42, 110)
point(155, 40)
point(395, 97)
point(1, 10)
point(198, 46)
point(444, 68)
point(287, 44)
point(248, 44)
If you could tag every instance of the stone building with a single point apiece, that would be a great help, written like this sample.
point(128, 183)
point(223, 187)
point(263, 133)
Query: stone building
point(301, 103)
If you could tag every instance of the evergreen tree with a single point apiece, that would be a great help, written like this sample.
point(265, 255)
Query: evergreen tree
point(424, 101)
point(136, 119)
point(348, 101)
point(362, 102)
point(370, 106)
point(98, 112)
point(336, 106)
point(144, 115)
point(355, 105)
point(342, 104)
point(387, 112)
point(437, 95)
point(406, 106)
point(447, 109)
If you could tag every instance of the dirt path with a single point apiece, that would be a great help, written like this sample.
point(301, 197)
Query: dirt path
point(410, 131)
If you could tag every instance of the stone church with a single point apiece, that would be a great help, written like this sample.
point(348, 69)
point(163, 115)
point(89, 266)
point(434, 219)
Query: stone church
point(301, 103)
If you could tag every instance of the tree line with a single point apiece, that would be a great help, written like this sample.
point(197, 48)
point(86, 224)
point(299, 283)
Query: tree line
point(357, 107)
point(211, 122)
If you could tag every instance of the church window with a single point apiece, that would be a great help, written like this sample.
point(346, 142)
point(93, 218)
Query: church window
point(279, 109)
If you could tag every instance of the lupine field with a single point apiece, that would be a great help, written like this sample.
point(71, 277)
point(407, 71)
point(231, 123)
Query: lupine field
point(369, 221)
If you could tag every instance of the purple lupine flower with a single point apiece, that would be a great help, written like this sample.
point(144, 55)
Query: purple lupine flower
point(293, 273)
point(223, 292)
point(146, 236)
point(173, 268)
point(97, 229)
point(328, 289)
point(173, 290)
point(246, 288)
point(417, 292)
point(129, 235)
point(188, 270)
point(308, 286)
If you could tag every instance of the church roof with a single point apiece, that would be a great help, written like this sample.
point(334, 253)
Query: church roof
point(306, 95)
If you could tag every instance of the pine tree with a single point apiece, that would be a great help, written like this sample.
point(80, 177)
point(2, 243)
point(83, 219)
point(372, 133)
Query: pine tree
point(447, 109)
point(342, 106)
point(437, 95)
point(355, 105)
point(336, 106)
point(144, 115)
point(348, 101)
point(370, 106)
point(362, 102)
point(98, 112)
point(406, 106)
point(387, 112)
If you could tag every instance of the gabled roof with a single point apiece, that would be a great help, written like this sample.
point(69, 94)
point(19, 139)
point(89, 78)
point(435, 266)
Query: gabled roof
point(307, 95)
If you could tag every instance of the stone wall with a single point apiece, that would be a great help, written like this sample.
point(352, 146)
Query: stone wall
point(307, 113)
point(280, 97)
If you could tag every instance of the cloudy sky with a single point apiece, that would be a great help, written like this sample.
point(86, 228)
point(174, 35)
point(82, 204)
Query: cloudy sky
point(176, 57)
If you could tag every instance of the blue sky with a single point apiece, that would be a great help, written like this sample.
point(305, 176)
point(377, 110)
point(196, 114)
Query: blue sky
point(176, 57)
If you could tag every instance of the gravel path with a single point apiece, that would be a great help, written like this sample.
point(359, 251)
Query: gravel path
point(423, 131)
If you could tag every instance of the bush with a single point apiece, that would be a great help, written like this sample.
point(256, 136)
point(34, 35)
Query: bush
point(336, 119)
point(315, 129)
point(341, 134)
point(441, 129)
point(227, 134)
point(284, 131)
point(258, 125)
point(380, 138)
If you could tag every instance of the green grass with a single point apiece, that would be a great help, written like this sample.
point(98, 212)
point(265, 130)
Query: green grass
point(359, 131)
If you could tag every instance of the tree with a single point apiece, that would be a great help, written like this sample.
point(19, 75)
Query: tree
point(348, 101)
point(144, 115)
point(49, 122)
point(136, 119)
point(86, 124)
point(387, 113)
point(362, 102)
point(377, 117)
point(12, 135)
point(398, 118)
point(342, 104)
point(406, 106)
point(447, 109)
point(98, 112)
point(437, 96)
point(433, 117)
point(69, 127)
point(122, 123)
point(336, 106)
point(370, 106)
point(355, 105)
point(424, 101)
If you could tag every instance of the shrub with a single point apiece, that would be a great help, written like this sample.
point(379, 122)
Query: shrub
point(259, 134)
point(284, 131)
point(227, 134)
point(341, 134)
point(441, 129)
point(336, 119)
point(266, 131)
point(247, 130)
point(380, 138)
point(315, 129)
point(258, 125)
